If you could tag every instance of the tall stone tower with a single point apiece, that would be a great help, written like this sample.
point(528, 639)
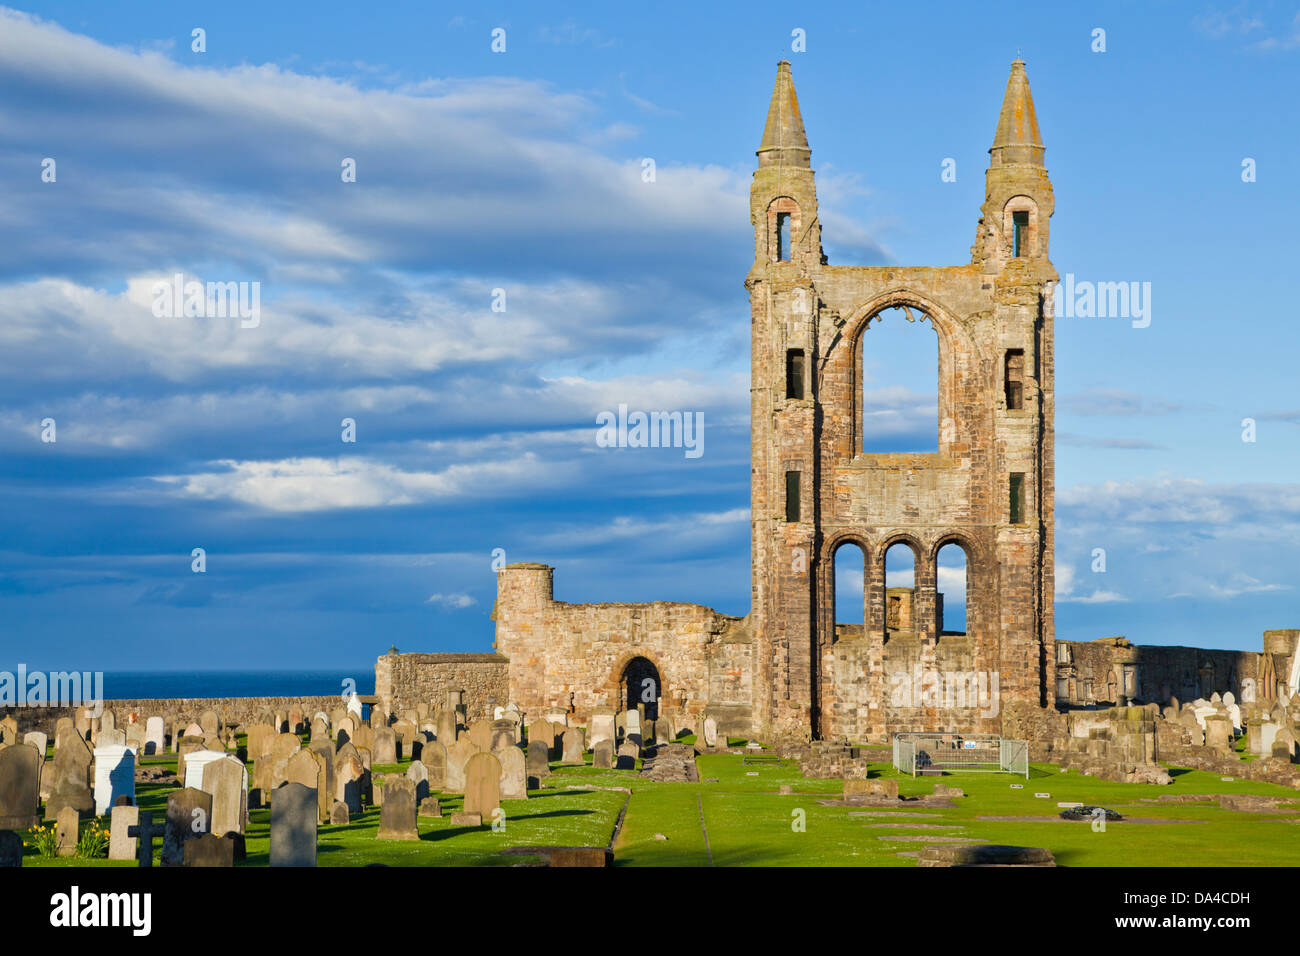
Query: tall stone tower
point(988, 488)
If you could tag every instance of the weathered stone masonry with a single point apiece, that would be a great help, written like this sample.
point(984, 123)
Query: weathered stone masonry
point(786, 670)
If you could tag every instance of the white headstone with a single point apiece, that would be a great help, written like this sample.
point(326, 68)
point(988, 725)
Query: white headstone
point(114, 775)
point(154, 735)
point(194, 764)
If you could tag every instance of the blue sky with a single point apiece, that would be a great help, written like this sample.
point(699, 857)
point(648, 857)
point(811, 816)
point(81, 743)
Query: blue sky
point(522, 171)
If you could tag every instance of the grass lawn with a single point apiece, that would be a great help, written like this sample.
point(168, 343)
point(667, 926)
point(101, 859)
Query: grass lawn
point(735, 817)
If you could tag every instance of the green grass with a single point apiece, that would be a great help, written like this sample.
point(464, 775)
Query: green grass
point(749, 823)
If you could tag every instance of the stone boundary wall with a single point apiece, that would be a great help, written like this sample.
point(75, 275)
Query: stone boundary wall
point(231, 710)
point(405, 681)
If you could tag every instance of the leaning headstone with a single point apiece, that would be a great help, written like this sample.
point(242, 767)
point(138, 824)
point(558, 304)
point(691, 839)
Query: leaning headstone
point(482, 785)
point(189, 815)
point(397, 816)
point(293, 826)
point(114, 776)
point(514, 774)
point(349, 777)
point(122, 846)
point(602, 755)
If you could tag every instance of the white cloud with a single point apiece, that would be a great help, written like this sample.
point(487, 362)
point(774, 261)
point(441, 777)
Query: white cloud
point(452, 601)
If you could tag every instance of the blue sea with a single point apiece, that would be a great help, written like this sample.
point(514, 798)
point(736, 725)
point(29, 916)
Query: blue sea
point(132, 685)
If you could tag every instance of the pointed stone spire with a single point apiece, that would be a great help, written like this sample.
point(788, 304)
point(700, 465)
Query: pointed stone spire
point(784, 142)
point(1017, 141)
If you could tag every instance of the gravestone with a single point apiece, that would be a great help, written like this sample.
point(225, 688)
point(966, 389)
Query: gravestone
point(503, 734)
point(111, 738)
point(144, 833)
point(397, 816)
point(538, 759)
point(457, 756)
point(572, 749)
point(434, 758)
point(419, 776)
point(627, 754)
point(364, 738)
point(188, 745)
point(154, 732)
point(11, 850)
point(282, 750)
point(406, 732)
point(514, 774)
point(482, 785)
point(542, 731)
point(121, 845)
point(209, 723)
point(480, 735)
point(260, 737)
point(340, 815)
point(38, 740)
point(294, 810)
point(632, 725)
point(196, 762)
point(226, 780)
point(710, 732)
point(320, 729)
point(349, 777)
point(209, 850)
point(20, 768)
point(602, 755)
point(324, 751)
point(385, 749)
point(114, 776)
point(430, 807)
point(68, 824)
point(71, 780)
point(189, 815)
point(601, 726)
point(446, 727)
point(344, 730)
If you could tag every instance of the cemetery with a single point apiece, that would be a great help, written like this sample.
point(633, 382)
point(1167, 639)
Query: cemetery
point(434, 785)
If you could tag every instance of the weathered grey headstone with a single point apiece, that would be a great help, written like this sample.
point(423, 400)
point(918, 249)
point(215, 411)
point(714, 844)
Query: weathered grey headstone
point(457, 756)
point(71, 779)
point(483, 785)
point(20, 767)
point(602, 755)
point(627, 754)
point(293, 826)
point(601, 727)
point(397, 816)
point(209, 849)
point(349, 777)
point(480, 734)
point(37, 739)
point(189, 815)
point(340, 815)
point(539, 755)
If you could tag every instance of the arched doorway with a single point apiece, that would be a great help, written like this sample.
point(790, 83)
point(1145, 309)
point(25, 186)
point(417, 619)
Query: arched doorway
point(641, 684)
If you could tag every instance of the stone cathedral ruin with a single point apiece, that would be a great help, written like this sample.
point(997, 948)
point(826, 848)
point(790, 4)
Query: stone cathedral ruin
point(786, 671)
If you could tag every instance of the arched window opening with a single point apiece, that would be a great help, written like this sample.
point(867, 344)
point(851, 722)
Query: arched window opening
point(900, 590)
point(850, 566)
point(641, 686)
point(950, 602)
point(898, 362)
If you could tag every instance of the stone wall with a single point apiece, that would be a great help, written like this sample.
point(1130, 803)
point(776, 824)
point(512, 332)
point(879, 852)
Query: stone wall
point(1112, 670)
point(574, 657)
point(405, 681)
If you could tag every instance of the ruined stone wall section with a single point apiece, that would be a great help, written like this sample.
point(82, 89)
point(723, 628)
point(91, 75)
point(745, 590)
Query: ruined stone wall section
point(404, 681)
point(572, 657)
